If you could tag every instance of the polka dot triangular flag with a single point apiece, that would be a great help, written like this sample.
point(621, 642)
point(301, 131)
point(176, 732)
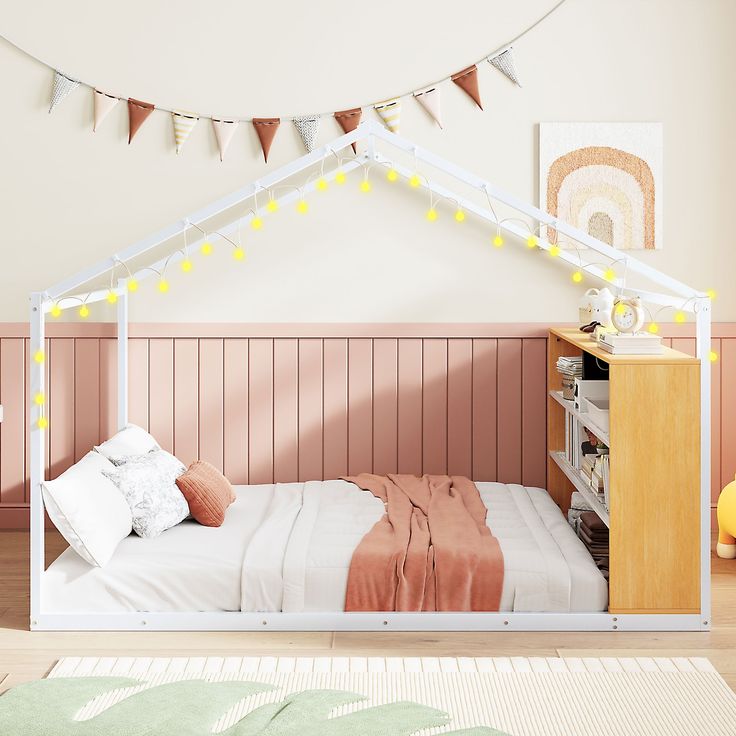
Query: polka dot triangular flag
point(183, 125)
point(467, 80)
point(63, 86)
point(390, 112)
point(349, 121)
point(266, 129)
point(103, 104)
point(224, 131)
point(429, 99)
point(308, 127)
point(504, 62)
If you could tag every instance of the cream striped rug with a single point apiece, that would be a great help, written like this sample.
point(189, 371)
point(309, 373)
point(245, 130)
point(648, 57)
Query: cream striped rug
point(515, 695)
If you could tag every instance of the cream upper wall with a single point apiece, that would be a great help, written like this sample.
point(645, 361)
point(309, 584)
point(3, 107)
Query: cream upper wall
point(71, 197)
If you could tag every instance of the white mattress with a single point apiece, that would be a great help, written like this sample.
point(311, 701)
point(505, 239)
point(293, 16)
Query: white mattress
point(288, 547)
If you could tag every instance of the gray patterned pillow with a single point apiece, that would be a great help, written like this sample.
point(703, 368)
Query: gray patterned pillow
point(148, 483)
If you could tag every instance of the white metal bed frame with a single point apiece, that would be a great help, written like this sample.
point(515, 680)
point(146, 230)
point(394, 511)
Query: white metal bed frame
point(678, 296)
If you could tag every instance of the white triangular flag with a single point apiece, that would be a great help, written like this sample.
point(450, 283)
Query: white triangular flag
point(429, 99)
point(308, 127)
point(390, 112)
point(62, 87)
point(103, 104)
point(183, 125)
point(504, 62)
point(224, 130)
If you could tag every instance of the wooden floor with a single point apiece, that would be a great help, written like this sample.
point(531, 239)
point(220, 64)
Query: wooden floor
point(26, 656)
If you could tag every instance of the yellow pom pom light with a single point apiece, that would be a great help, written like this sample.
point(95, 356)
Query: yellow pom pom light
point(365, 186)
point(531, 241)
point(256, 223)
point(498, 240)
point(38, 356)
point(111, 297)
point(711, 293)
point(340, 177)
point(132, 285)
point(414, 181)
point(680, 317)
point(554, 250)
point(577, 277)
point(272, 206)
point(653, 328)
point(392, 175)
point(83, 311)
point(431, 214)
point(186, 265)
point(42, 423)
point(459, 215)
point(322, 184)
point(620, 308)
point(609, 274)
point(56, 311)
point(239, 254)
point(39, 399)
point(163, 286)
point(302, 207)
point(206, 248)
point(713, 356)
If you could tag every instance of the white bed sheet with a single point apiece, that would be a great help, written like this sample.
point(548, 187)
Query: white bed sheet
point(288, 547)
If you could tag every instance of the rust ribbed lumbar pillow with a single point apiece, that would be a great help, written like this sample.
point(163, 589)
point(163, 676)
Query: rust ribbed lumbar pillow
point(207, 491)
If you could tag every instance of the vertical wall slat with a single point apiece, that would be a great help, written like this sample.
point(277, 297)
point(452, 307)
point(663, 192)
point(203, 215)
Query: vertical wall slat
point(460, 407)
point(310, 409)
point(12, 439)
point(485, 358)
point(715, 423)
point(235, 410)
point(335, 419)
point(285, 410)
point(509, 436)
point(410, 406)
point(728, 411)
point(161, 401)
point(360, 406)
point(260, 430)
point(61, 405)
point(534, 412)
point(385, 406)
point(86, 395)
point(108, 387)
point(138, 387)
point(434, 406)
point(186, 399)
point(211, 422)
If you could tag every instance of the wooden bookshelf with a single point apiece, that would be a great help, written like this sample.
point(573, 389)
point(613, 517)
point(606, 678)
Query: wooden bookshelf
point(654, 441)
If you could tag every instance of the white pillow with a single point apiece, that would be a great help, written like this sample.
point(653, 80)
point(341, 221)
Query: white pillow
point(88, 509)
point(148, 484)
point(133, 440)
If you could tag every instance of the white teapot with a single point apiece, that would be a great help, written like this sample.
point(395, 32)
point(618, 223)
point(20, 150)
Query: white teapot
point(596, 305)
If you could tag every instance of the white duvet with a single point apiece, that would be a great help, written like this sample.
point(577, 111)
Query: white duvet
point(287, 547)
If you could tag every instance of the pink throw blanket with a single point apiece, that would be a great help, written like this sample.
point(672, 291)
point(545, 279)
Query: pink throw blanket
point(431, 551)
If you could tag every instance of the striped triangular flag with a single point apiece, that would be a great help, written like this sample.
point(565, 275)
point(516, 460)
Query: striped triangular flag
point(504, 62)
point(308, 127)
point(183, 125)
point(63, 86)
point(224, 130)
point(390, 112)
point(103, 104)
point(429, 99)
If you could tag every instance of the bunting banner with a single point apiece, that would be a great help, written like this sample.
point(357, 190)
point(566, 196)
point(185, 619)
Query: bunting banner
point(103, 104)
point(266, 129)
point(390, 112)
point(429, 99)
point(308, 127)
point(63, 86)
point(224, 131)
point(467, 80)
point(183, 125)
point(138, 112)
point(349, 121)
point(504, 62)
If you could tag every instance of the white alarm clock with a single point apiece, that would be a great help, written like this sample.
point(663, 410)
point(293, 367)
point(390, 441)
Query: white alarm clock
point(627, 315)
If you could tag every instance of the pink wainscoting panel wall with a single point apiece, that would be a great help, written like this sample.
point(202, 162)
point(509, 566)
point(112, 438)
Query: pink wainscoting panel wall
point(295, 402)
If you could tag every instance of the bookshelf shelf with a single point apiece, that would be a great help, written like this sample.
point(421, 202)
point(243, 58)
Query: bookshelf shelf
point(581, 484)
point(583, 418)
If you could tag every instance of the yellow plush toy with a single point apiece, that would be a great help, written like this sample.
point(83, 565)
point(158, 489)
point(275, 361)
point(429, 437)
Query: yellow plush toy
point(727, 522)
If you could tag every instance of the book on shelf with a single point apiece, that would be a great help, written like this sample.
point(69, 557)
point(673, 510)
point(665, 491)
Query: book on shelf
point(636, 344)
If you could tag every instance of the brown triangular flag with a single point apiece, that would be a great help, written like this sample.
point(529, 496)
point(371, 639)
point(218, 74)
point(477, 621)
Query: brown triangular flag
point(467, 80)
point(137, 113)
point(349, 121)
point(266, 129)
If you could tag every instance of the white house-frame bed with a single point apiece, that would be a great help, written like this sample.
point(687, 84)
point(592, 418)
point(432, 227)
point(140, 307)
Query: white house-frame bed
point(380, 144)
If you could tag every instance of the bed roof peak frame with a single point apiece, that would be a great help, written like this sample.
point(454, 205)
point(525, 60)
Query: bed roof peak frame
point(675, 294)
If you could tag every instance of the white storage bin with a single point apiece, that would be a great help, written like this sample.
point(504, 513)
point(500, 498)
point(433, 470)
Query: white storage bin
point(598, 411)
point(589, 390)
